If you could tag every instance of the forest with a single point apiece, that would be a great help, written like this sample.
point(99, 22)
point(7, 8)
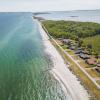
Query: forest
point(85, 33)
point(72, 29)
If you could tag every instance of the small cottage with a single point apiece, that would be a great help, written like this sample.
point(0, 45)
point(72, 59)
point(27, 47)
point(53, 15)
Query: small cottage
point(72, 47)
point(91, 61)
point(84, 56)
point(66, 41)
point(78, 51)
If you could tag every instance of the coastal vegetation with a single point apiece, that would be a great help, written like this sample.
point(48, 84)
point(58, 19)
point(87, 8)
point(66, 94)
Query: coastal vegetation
point(92, 89)
point(94, 41)
point(84, 33)
point(78, 43)
point(72, 29)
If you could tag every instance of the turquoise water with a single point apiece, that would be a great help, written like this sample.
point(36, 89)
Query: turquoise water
point(23, 61)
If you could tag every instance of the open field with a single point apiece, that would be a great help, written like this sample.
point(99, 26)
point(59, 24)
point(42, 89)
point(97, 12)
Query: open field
point(92, 72)
point(84, 64)
point(94, 41)
point(98, 82)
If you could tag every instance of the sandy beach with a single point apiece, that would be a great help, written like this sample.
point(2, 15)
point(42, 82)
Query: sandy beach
point(69, 81)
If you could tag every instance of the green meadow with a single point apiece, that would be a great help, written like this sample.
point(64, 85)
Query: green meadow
point(94, 41)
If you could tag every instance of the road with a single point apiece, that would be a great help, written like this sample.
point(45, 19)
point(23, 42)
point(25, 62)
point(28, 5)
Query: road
point(75, 61)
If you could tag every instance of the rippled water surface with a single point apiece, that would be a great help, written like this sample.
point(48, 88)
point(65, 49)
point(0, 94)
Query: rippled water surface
point(23, 61)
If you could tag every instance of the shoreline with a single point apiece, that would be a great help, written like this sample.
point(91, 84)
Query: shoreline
point(69, 81)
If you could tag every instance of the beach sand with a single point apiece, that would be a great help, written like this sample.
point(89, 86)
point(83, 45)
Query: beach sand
point(69, 81)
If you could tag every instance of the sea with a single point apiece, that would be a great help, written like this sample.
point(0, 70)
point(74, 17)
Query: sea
point(75, 15)
point(24, 64)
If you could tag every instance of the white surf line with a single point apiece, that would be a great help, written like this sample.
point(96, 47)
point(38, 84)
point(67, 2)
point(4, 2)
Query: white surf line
point(76, 62)
point(61, 71)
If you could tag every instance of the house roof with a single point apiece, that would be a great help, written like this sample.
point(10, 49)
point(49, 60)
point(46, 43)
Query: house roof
point(72, 47)
point(85, 52)
point(78, 51)
point(98, 65)
point(84, 56)
point(66, 40)
point(91, 61)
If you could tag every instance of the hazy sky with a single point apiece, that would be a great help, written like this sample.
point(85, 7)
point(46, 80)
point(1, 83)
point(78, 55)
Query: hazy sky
point(45, 5)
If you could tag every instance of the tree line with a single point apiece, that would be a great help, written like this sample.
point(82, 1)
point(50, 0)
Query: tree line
point(72, 29)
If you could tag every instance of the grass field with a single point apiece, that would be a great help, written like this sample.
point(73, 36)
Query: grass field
point(94, 41)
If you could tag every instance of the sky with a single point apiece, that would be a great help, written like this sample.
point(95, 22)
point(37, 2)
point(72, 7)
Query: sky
point(47, 5)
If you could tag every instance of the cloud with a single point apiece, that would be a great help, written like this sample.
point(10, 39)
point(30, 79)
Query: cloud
point(48, 5)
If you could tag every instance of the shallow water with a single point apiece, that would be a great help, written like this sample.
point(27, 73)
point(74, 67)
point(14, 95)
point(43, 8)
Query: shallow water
point(23, 61)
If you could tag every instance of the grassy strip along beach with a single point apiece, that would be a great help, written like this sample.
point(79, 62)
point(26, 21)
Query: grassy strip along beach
point(78, 65)
point(69, 82)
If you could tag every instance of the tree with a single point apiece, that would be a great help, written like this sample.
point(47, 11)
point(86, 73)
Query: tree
point(89, 46)
point(96, 55)
point(80, 42)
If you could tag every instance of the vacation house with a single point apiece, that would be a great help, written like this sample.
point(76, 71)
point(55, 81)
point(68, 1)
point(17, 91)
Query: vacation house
point(91, 61)
point(84, 56)
point(72, 47)
point(78, 51)
point(66, 41)
point(98, 65)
